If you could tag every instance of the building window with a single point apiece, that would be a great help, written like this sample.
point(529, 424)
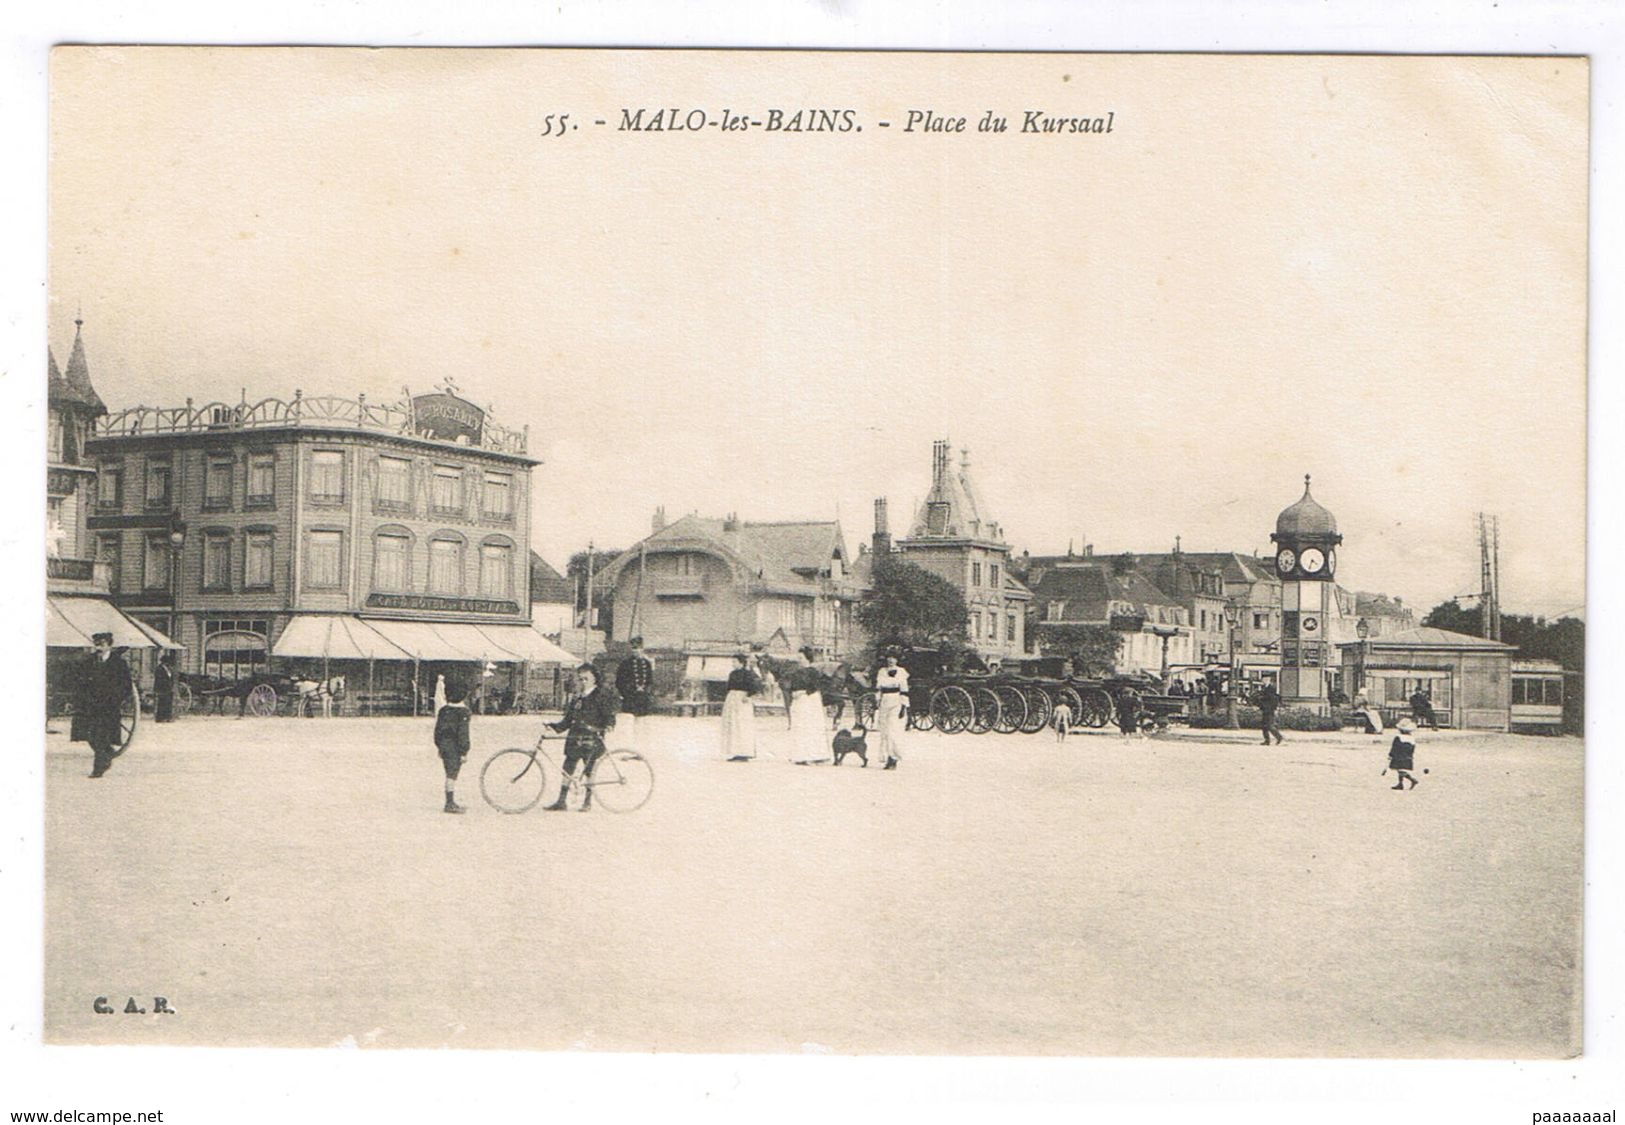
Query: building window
point(993, 575)
point(1010, 627)
point(54, 441)
point(976, 626)
point(327, 476)
point(447, 497)
point(445, 566)
point(110, 487)
point(262, 478)
point(155, 570)
point(391, 562)
point(394, 482)
point(326, 556)
point(158, 477)
point(234, 650)
point(499, 495)
point(217, 481)
point(1261, 621)
point(975, 574)
point(257, 556)
point(109, 551)
point(683, 564)
point(1053, 611)
point(496, 565)
point(992, 625)
point(217, 561)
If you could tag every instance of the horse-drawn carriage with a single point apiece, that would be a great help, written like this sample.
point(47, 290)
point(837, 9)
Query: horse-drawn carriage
point(262, 695)
point(1021, 698)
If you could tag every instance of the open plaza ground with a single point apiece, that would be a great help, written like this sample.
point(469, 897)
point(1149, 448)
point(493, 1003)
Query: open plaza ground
point(294, 882)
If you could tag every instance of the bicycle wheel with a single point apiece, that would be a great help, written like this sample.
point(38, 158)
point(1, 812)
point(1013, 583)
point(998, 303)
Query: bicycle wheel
point(622, 781)
point(952, 708)
point(513, 780)
point(986, 713)
point(1039, 708)
point(1012, 709)
point(129, 716)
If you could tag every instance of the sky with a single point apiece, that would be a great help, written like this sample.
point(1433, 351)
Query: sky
point(1368, 269)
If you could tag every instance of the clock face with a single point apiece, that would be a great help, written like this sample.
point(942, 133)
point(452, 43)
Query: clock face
point(1312, 560)
point(1284, 560)
point(1331, 561)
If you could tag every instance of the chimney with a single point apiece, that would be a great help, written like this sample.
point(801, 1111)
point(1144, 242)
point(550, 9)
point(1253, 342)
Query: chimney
point(882, 535)
point(1088, 550)
point(939, 461)
point(730, 522)
point(658, 523)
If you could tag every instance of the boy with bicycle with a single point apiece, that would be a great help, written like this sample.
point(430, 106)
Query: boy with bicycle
point(588, 716)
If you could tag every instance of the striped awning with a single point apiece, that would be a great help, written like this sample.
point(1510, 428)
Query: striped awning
point(71, 623)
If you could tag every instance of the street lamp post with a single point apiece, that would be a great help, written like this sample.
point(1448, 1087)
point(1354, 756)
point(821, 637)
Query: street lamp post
point(1362, 629)
point(177, 540)
point(1232, 617)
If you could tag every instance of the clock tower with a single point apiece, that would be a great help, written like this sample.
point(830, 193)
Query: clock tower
point(1306, 542)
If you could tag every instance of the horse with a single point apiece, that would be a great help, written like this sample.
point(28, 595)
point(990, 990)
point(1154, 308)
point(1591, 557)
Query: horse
point(306, 692)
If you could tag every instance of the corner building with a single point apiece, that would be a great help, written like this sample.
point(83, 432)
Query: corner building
point(248, 526)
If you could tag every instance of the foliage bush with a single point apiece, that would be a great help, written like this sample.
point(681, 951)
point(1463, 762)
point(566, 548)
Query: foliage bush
point(1287, 718)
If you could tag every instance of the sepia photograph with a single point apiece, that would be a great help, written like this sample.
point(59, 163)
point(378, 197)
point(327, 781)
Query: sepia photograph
point(983, 554)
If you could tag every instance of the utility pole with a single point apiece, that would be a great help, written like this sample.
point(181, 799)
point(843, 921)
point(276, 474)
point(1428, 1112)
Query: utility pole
point(1489, 555)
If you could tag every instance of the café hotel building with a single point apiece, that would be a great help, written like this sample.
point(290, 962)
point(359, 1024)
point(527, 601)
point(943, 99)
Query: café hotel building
point(320, 529)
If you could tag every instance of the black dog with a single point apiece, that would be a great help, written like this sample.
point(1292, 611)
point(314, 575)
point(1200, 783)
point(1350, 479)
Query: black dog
point(850, 742)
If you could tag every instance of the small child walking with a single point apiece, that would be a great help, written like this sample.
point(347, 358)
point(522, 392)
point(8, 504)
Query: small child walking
point(451, 739)
point(1061, 720)
point(1402, 755)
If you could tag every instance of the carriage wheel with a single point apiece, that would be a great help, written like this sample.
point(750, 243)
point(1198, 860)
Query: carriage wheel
point(920, 720)
point(262, 701)
point(986, 714)
point(1096, 710)
point(183, 697)
point(864, 707)
point(1039, 708)
point(1012, 709)
point(129, 717)
point(952, 709)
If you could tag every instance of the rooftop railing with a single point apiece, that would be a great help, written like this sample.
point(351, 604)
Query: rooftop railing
point(317, 411)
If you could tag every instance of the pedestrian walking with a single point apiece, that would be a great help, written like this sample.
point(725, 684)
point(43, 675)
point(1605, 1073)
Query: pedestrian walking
point(104, 687)
point(891, 709)
point(1269, 701)
point(1128, 714)
point(1402, 756)
point(739, 713)
point(451, 725)
point(588, 716)
point(1369, 715)
point(163, 689)
point(806, 687)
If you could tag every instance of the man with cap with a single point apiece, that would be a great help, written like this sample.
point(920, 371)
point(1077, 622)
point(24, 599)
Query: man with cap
point(635, 684)
point(104, 686)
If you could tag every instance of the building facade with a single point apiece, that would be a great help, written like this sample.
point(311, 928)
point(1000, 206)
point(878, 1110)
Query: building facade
point(700, 585)
point(228, 523)
point(1467, 679)
point(1155, 629)
point(953, 537)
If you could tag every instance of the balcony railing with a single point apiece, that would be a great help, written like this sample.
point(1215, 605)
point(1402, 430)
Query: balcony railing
point(98, 574)
point(324, 411)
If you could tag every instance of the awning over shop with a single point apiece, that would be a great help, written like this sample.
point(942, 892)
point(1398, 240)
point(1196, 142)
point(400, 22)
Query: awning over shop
point(72, 622)
point(335, 637)
point(438, 640)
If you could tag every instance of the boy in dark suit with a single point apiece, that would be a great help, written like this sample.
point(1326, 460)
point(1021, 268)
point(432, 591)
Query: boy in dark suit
point(451, 738)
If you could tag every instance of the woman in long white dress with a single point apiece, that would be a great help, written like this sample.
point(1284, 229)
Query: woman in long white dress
point(739, 713)
point(891, 685)
point(809, 741)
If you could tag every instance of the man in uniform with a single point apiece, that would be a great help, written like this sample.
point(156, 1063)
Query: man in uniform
point(104, 687)
point(635, 684)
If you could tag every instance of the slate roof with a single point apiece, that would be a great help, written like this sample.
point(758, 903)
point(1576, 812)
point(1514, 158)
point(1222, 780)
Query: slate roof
point(548, 585)
point(1426, 637)
point(73, 385)
point(1089, 588)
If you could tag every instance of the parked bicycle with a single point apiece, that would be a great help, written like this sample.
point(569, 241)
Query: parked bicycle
point(513, 780)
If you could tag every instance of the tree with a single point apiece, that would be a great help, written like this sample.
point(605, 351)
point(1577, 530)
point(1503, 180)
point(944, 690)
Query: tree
point(1093, 649)
point(1535, 638)
point(910, 605)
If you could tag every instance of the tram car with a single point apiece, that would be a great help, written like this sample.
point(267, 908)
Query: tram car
point(1537, 697)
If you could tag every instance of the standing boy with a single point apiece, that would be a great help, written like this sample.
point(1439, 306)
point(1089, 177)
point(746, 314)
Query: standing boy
point(451, 738)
